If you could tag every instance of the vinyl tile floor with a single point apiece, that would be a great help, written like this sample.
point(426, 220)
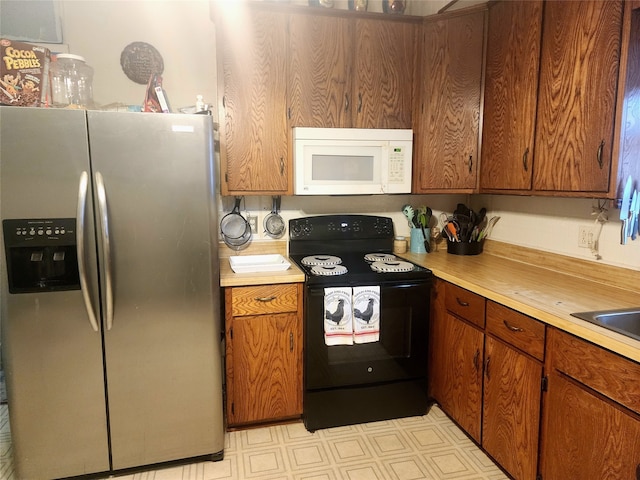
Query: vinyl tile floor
point(424, 447)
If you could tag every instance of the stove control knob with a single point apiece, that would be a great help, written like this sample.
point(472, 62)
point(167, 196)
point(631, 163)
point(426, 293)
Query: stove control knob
point(296, 230)
point(369, 369)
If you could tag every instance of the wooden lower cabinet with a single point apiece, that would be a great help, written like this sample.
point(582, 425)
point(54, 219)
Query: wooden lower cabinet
point(511, 412)
point(591, 424)
point(263, 353)
point(456, 354)
point(456, 380)
point(486, 373)
point(587, 437)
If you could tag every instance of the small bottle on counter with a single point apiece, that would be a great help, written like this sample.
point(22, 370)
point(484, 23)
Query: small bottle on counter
point(199, 103)
point(399, 245)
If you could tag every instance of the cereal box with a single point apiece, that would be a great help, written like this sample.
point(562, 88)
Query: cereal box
point(24, 70)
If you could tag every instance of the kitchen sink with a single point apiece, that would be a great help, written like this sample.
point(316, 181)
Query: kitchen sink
point(625, 321)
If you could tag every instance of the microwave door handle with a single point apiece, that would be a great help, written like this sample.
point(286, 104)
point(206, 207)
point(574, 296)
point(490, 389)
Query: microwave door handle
point(106, 248)
point(80, 233)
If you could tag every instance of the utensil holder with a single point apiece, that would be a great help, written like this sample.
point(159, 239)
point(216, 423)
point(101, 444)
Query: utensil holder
point(464, 248)
point(417, 240)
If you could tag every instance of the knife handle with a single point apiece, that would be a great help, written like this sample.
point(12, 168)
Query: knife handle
point(623, 239)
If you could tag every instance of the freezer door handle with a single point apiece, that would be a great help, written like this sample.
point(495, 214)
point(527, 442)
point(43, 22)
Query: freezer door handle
point(80, 232)
point(106, 248)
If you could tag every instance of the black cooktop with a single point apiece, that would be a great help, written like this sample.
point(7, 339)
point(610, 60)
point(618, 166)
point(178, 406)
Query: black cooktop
point(349, 237)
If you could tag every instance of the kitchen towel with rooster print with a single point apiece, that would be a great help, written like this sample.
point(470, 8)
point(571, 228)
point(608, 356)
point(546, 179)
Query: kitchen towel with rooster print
point(338, 327)
point(366, 314)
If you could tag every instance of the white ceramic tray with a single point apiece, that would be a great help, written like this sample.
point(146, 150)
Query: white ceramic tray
point(258, 263)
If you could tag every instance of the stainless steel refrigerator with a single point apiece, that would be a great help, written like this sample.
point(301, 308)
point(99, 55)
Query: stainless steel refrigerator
point(110, 290)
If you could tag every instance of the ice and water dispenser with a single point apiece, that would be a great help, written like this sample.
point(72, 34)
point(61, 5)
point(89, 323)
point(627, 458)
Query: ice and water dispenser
point(41, 255)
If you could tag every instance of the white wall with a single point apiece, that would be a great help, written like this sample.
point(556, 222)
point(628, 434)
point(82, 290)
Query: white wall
point(179, 29)
point(184, 35)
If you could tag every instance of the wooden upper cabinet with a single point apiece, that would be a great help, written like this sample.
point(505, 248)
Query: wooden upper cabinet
point(384, 72)
point(252, 48)
point(346, 72)
point(510, 95)
point(446, 142)
point(577, 96)
point(320, 70)
point(627, 147)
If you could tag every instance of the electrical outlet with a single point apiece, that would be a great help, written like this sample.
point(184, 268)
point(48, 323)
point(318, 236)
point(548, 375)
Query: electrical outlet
point(253, 223)
point(586, 236)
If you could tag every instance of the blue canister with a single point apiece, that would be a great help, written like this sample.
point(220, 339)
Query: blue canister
point(417, 240)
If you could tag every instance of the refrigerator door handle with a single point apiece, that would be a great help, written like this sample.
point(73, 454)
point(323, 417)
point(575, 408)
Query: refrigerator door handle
point(82, 267)
point(106, 247)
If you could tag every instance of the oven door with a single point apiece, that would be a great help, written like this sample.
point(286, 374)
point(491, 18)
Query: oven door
point(400, 354)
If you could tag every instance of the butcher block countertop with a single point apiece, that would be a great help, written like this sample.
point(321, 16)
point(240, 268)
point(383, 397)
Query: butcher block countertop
point(543, 285)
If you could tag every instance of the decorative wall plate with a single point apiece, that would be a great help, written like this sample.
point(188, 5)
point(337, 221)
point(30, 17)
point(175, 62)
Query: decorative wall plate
point(140, 60)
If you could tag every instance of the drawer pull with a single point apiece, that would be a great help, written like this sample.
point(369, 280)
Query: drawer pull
point(512, 328)
point(461, 302)
point(476, 360)
point(486, 368)
point(265, 299)
point(291, 341)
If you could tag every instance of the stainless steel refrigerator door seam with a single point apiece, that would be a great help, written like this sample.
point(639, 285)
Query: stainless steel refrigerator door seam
point(106, 247)
point(82, 268)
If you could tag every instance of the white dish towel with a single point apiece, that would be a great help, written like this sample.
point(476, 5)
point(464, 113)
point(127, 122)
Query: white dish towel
point(366, 314)
point(338, 325)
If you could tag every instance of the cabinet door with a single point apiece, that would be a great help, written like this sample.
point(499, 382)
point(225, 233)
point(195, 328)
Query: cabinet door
point(320, 71)
point(511, 414)
point(456, 371)
point(252, 48)
point(510, 95)
point(577, 95)
point(384, 72)
point(267, 366)
point(446, 155)
point(586, 436)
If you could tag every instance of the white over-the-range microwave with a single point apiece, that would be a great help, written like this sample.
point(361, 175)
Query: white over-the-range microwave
point(352, 161)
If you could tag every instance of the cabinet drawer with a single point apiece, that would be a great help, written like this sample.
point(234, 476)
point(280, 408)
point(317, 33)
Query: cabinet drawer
point(605, 372)
point(465, 304)
point(264, 299)
point(524, 333)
